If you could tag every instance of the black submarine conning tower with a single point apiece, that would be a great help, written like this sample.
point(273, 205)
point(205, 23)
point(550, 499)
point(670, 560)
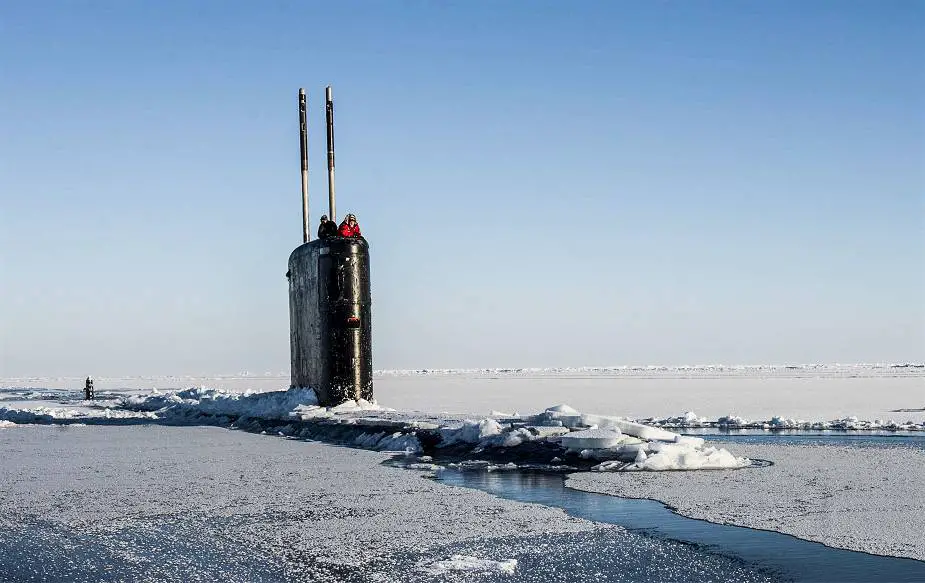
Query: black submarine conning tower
point(330, 323)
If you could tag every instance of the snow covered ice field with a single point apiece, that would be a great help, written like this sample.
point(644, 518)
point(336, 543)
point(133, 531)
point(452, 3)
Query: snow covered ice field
point(811, 392)
point(194, 504)
point(134, 496)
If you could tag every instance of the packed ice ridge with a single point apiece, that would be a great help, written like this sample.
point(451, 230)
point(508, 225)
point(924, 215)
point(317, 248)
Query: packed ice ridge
point(617, 443)
point(44, 405)
point(562, 433)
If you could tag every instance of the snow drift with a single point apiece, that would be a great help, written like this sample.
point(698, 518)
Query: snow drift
point(558, 437)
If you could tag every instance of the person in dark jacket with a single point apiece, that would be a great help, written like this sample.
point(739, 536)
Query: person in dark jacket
point(350, 227)
point(327, 228)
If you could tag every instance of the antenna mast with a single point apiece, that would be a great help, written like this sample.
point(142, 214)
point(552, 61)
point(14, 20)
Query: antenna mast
point(303, 144)
point(329, 114)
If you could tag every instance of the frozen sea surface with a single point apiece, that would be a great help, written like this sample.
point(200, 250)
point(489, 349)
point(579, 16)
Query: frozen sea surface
point(151, 503)
point(282, 508)
point(811, 392)
point(790, 558)
point(859, 498)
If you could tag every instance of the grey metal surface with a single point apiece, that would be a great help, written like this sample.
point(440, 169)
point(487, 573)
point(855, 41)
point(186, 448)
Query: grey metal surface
point(303, 147)
point(329, 116)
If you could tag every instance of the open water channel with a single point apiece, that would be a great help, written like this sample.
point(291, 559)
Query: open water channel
point(761, 553)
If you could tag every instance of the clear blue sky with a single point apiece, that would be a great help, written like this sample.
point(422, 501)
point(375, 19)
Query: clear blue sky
point(542, 183)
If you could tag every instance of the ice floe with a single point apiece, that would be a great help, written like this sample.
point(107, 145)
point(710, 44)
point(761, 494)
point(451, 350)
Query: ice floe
point(468, 564)
point(592, 439)
point(676, 456)
point(557, 434)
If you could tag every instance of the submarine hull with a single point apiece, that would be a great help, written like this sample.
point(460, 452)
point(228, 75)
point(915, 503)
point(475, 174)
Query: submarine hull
point(330, 321)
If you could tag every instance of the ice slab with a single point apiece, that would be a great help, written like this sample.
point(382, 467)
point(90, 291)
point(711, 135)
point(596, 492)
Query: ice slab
point(468, 564)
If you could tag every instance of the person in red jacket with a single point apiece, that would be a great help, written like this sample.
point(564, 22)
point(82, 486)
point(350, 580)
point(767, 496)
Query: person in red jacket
point(350, 227)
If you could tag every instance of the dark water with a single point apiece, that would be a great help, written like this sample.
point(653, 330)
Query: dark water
point(787, 557)
point(898, 439)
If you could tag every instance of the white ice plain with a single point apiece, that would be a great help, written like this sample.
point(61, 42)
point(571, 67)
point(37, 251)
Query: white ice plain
point(812, 392)
point(186, 503)
point(845, 498)
point(863, 499)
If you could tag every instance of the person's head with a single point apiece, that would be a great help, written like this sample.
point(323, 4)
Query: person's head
point(351, 219)
point(324, 218)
